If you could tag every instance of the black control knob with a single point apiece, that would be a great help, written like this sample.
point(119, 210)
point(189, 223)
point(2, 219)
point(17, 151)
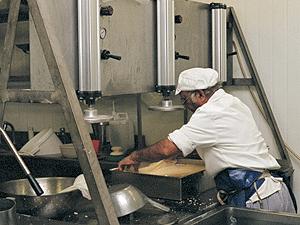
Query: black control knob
point(178, 19)
point(62, 135)
point(106, 11)
point(105, 54)
point(178, 56)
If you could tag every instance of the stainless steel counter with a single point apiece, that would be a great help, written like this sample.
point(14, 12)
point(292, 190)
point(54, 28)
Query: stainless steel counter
point(148, 215)
point(31, 220)
point(83, 212)
point(227, 215)
point(144, 216)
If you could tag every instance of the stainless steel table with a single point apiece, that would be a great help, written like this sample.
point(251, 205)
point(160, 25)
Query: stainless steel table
point(32, 220)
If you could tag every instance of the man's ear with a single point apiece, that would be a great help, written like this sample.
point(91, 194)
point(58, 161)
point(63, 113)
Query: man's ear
point(200, 93)
point(194, 97)
point(197, 94)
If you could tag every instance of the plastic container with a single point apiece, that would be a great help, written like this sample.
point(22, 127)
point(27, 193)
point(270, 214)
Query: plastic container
point(96, 145)
point(116, 151)
point(44, 143)
point(68, 150)
point(121, 131)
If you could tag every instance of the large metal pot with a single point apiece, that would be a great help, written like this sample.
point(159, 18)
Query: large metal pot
point(127, 199)
point(51, 204)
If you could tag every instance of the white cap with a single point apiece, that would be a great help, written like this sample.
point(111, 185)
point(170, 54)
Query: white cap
point(196, 78)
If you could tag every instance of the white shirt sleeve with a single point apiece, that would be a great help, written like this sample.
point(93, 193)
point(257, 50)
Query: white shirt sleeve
point(199, 132)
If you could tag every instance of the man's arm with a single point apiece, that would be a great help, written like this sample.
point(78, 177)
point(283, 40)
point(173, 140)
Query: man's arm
point(158, 151)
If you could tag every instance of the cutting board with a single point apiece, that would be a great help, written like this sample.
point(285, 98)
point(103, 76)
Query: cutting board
point(172, 168)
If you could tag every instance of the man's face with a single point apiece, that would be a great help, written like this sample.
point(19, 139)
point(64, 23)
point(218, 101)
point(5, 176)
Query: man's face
point(186, 100)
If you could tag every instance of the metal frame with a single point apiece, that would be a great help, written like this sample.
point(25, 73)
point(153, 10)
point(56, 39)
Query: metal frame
point(233, 26)
point(140, 143)
point(65, 96)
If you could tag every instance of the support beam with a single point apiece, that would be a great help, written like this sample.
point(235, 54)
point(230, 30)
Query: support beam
point(229, 52)
point(2, 110)
point(7, 52)
point(258, 85)
point(30, 96)
point(77, 126)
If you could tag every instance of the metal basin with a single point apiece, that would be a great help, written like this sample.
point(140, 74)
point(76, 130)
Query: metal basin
point(51, 204)
point(239, 216)
point(126, 199)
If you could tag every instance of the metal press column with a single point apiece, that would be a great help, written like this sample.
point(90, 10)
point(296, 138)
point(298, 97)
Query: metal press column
point(165, 46)
point(89, 50)
point(219, 41)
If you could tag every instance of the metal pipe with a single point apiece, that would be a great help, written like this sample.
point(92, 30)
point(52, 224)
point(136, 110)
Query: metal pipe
point(140, 143)
point(5, 125)
point(219, 42)
point(15, 152)
point(89, 49)
point(35, 185)
point(165, 44)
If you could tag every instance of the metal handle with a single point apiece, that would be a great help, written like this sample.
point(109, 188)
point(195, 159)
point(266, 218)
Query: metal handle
point(231, 54)
point(178, 56)
point(105, 54)
point(36, 187)
point(115, 57)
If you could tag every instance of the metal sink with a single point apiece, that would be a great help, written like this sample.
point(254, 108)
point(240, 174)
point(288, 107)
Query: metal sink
point(241, 216)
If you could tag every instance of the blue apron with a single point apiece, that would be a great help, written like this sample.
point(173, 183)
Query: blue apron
point(236, 185)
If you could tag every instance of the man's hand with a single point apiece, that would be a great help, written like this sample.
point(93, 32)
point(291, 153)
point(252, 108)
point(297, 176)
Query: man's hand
point(127, 162)
point(161, 150)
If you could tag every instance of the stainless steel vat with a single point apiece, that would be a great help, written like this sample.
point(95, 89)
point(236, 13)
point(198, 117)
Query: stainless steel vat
point(8, 214)
point(175, 188)
point(166, 187)
point(51, 204)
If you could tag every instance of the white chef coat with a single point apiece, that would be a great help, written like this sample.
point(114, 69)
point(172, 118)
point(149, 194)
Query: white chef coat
point(225, 135)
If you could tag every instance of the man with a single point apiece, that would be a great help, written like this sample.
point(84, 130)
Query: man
point(224, 133)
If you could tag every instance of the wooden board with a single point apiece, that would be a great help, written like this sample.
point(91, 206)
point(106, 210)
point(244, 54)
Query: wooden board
point(171, 168)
